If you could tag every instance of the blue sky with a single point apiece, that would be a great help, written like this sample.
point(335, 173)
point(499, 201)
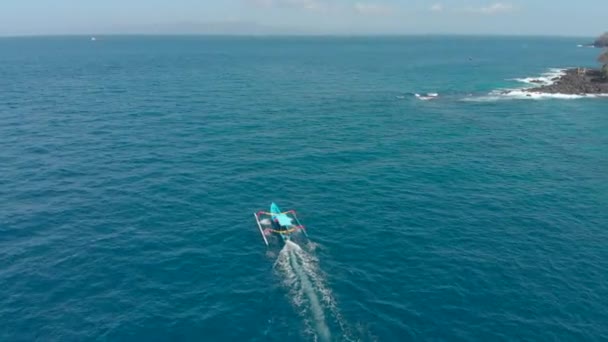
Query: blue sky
point(533, 17)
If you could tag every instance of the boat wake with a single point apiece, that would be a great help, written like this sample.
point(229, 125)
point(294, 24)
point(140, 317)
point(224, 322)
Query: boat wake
point(300, 273)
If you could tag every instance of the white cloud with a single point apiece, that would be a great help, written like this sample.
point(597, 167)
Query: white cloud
point(372, 9)
point(494, 8)
point(310, 5)
point(262, 3)
point(367, 8)
point(437, 8)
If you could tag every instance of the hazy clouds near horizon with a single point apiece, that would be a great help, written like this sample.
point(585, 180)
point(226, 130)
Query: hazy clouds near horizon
point(546, 17)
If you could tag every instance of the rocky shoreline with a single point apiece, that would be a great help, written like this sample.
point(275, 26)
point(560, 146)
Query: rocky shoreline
point(579, 81)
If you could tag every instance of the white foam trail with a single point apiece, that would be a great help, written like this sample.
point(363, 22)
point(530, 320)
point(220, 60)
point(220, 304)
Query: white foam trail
point(318, 313)
point(295, 264)
point(309, 292)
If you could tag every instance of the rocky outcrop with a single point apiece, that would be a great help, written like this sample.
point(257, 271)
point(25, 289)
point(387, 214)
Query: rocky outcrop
point(602, 41)
point(576, 82)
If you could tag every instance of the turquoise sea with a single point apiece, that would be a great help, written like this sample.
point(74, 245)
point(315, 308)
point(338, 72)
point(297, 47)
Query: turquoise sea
point(130, 168)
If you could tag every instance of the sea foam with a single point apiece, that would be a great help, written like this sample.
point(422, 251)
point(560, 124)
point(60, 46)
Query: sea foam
point(523, 93)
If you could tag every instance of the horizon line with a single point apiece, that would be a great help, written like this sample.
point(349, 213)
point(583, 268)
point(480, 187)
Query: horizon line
point(293, 34)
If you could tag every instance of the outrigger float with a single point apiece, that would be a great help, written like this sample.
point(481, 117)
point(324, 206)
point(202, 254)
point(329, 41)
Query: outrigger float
point(275, 222)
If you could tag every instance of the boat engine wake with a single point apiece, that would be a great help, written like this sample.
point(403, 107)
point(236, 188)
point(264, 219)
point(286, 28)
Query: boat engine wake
point(298, 268)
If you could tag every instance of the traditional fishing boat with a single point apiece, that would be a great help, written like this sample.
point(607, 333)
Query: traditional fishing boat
point(285, 224)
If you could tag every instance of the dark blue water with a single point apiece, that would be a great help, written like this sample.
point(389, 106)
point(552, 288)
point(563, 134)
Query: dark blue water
point(130, 168)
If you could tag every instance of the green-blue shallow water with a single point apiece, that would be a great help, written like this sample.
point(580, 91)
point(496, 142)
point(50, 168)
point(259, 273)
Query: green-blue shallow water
point(130, 168)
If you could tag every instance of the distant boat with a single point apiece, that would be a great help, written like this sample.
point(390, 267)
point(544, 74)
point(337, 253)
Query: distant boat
point(93, 39)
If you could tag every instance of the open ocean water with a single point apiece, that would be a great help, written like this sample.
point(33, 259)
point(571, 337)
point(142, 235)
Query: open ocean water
point(130, 168)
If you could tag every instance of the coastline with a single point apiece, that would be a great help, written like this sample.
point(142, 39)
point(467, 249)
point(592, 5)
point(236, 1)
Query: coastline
point(574, 81)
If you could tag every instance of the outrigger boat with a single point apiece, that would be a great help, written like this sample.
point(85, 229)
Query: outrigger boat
point(275, 222)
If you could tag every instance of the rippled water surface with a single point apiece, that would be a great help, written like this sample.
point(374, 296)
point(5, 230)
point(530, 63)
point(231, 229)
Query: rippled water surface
point(130, 168)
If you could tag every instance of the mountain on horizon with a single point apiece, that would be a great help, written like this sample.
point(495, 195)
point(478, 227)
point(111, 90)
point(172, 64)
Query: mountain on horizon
point(187, 27)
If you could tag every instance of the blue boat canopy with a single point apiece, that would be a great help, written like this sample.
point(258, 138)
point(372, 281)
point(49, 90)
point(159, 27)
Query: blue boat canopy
point(283, 219)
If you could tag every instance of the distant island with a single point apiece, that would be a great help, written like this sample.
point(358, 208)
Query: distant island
point(581, 81)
